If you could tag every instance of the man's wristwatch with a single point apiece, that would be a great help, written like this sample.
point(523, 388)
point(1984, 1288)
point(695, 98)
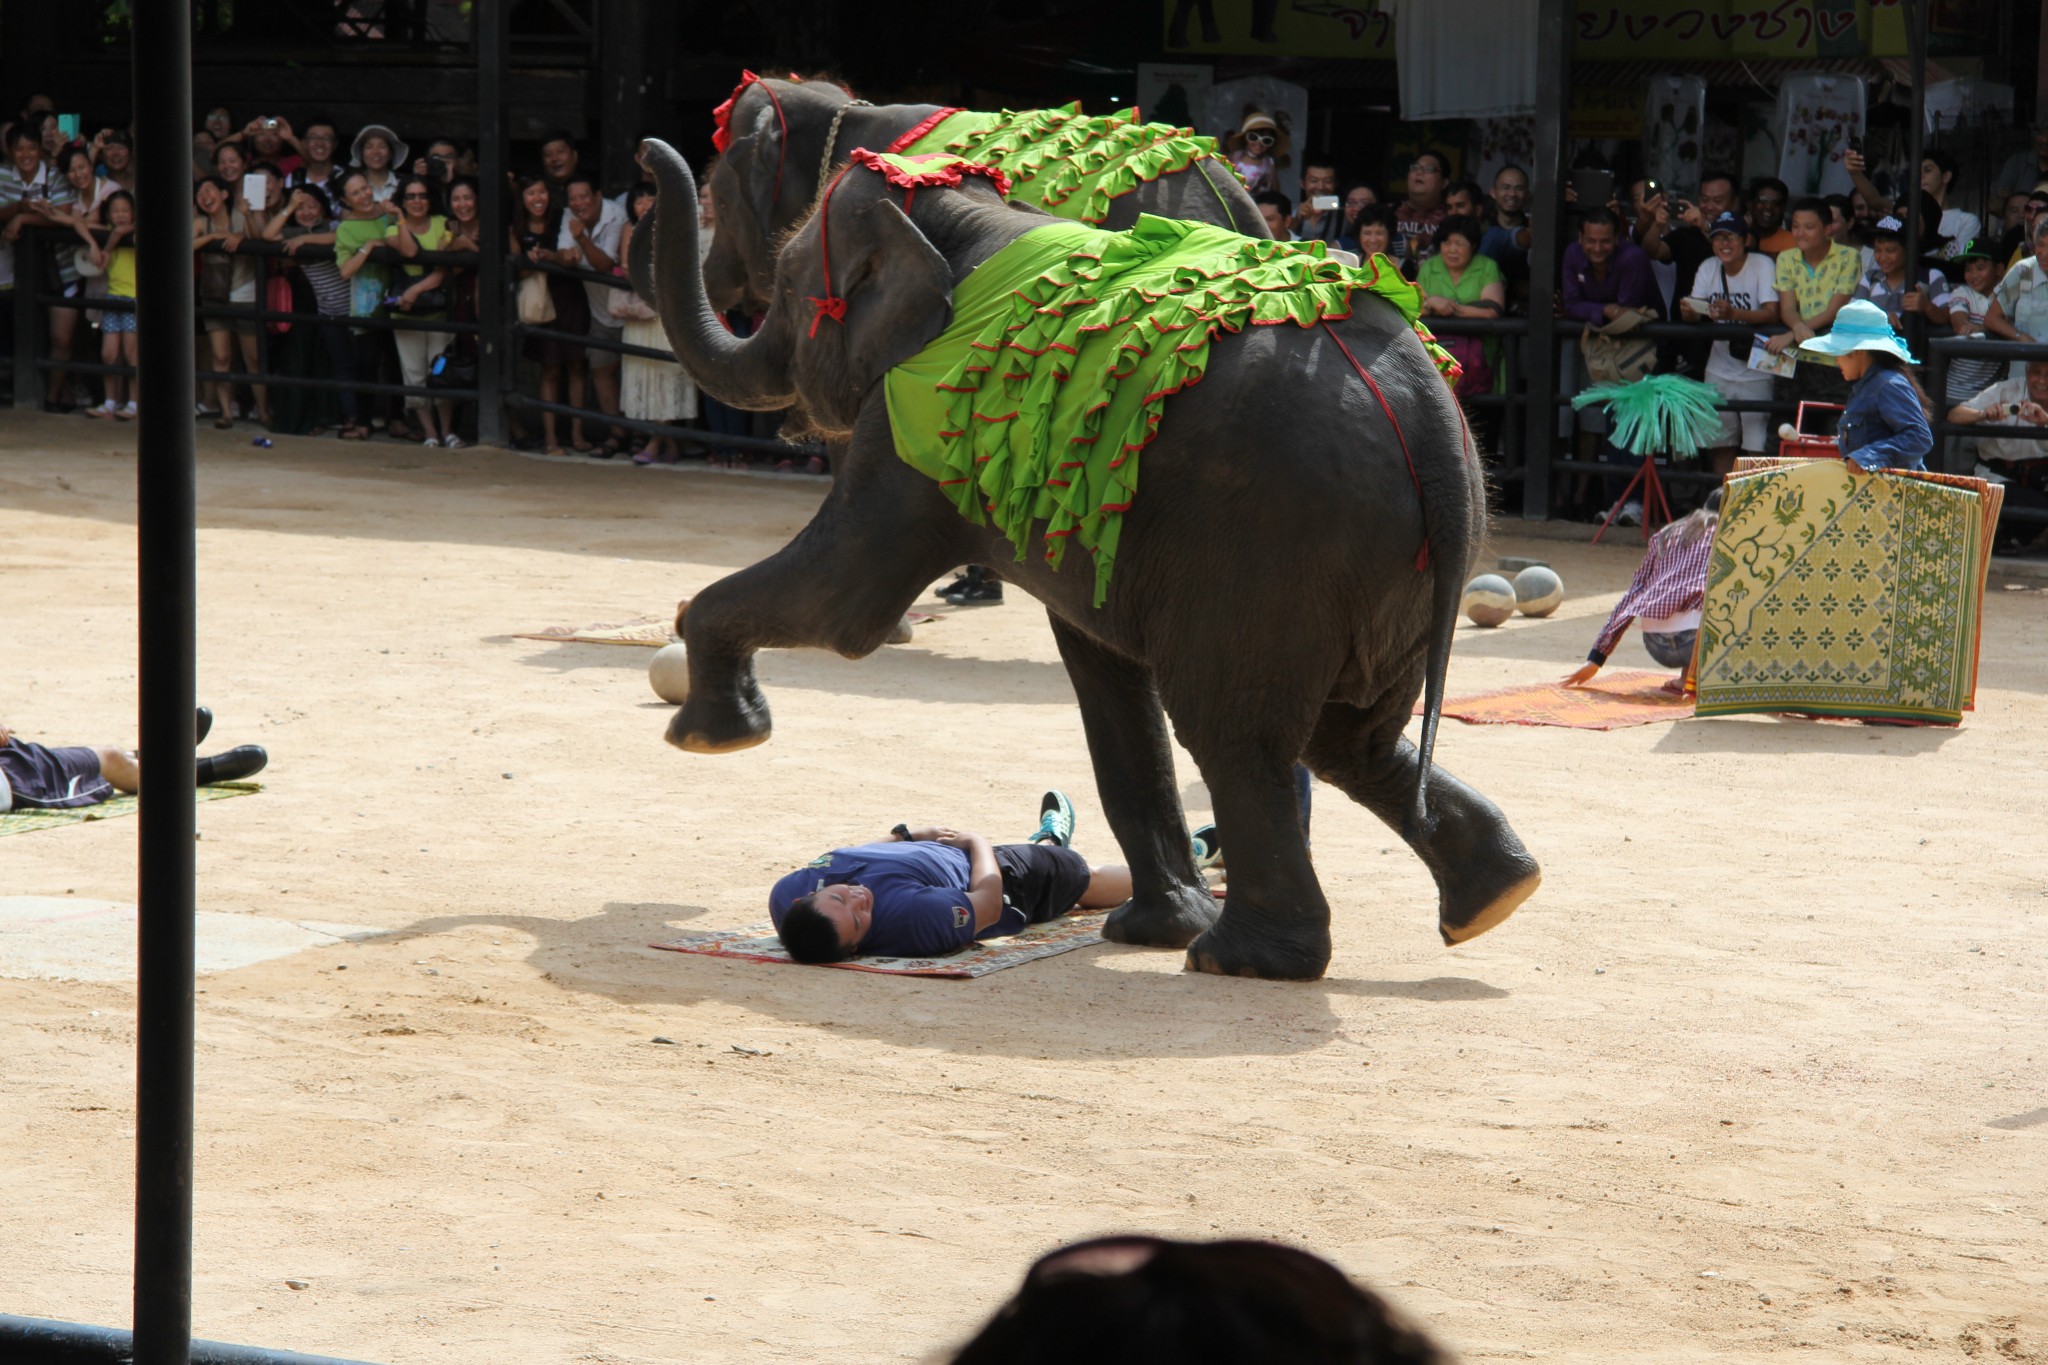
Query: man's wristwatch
point(902, 832)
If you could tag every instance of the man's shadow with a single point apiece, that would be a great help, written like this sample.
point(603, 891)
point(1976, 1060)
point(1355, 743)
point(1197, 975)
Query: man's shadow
point(1084, 1003)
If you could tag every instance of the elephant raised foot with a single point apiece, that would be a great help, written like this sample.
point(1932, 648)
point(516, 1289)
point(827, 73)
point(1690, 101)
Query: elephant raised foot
point(1462, 924)
point(1171, 919)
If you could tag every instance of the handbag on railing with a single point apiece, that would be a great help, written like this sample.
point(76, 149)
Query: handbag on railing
point(449, 370)
point(278, 299)
point(536, 308)
point(1615, 357)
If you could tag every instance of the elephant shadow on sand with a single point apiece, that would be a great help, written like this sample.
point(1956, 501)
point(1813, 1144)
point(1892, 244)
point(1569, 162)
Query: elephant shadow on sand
point(1078, 1004)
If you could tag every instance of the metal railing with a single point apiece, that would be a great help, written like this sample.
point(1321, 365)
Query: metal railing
point(31, 362)
point(1513, 450)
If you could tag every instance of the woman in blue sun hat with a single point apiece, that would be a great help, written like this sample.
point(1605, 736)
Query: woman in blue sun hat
point(1886, 424)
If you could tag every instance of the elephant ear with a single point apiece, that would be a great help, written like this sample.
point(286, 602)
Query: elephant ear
point(764, 158)
point(899, 297)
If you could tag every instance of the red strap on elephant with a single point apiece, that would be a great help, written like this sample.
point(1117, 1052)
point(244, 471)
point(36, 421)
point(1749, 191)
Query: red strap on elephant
point(1421, 555)
point(831, 306)
point(721, 118)
point(905, 173)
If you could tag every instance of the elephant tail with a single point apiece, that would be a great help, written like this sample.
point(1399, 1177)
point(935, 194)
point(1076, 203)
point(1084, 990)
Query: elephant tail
point(1448, 535)
point(1448, 523)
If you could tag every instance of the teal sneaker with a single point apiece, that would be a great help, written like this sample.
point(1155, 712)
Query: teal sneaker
point(1055, 820)
point(1208, 847)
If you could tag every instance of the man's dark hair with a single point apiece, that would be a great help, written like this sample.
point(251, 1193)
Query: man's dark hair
point(1734, 185)
point(1469, 188)
point(1844, 205)
point(555, 135)
point(581, 178)
point(1322, 159)
point(1770, 182)
point(808, 935)
point(1812, 204)
point(1276, 199)
point(1944, 160)
point(1600, 217)
point(21, 133)
point(320, 121)
point(1443, 165)
point(1145, 1299)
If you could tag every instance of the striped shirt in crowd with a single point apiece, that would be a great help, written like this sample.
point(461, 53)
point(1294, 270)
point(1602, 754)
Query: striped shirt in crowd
point(330, 290)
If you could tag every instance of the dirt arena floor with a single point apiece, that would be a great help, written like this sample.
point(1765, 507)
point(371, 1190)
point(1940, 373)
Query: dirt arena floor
point(1763, 1068)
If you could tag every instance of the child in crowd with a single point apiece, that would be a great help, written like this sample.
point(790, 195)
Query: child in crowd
point(1666, 594)
point(1886, 421)
point(1967, 305)
point(117, 326)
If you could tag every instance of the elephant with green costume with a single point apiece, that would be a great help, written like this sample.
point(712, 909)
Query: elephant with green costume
point(781, 139)
point(1231, 470)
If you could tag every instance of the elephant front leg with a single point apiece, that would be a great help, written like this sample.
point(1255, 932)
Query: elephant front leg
point(1275, 922)
point(843, 584)
point(1482, 871)
point(1127, 743)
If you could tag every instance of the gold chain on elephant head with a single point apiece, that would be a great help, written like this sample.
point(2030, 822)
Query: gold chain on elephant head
point(831, 141)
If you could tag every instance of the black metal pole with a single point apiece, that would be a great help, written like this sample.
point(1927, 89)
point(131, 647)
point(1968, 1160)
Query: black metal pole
point(166, 570)
point(1546, 213)
point(493, 357)
point(1916, 148)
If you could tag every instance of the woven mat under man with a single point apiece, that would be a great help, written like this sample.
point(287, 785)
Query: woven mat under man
point(29, 821)
point(757, 943)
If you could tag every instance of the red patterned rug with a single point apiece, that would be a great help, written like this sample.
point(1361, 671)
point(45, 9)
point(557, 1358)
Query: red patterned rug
point(1612, 701)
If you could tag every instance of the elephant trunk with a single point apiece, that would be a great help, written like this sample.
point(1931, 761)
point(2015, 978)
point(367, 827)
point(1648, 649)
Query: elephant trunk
point(751, 374)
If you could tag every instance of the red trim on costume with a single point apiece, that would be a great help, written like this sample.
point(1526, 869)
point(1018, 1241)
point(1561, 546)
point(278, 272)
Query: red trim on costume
point(918, 133)
point(947, 176)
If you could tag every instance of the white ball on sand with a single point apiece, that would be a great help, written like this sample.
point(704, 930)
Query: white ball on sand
point(1538, 590)
point(668, 672)
point(1489, 600)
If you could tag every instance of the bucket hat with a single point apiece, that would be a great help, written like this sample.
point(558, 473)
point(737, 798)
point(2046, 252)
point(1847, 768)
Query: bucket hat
point(1860, 326)
point(401, 155)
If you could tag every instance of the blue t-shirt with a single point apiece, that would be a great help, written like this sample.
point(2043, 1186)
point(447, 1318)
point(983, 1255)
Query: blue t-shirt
point(920, 890)
point(1883, 424)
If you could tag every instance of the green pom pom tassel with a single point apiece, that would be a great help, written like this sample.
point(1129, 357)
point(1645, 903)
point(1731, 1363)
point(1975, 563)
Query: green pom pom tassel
point(1659, 414)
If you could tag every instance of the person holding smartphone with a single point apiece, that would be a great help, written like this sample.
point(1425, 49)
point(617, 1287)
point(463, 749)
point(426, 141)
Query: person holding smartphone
point(1318, 216)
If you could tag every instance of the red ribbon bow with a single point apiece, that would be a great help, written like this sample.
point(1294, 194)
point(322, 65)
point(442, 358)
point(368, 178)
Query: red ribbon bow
point(831, 306)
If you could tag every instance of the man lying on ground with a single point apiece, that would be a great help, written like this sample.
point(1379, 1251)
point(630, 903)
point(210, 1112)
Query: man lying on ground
point(33, 776)
point(926, 892)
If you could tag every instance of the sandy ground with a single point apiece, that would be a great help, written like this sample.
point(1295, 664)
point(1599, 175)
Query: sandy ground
point(1762, 1069)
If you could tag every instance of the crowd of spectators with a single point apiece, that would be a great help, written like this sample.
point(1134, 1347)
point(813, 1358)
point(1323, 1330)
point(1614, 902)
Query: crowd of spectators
point(1731, 254)
point(352, 233)
point(331, 224)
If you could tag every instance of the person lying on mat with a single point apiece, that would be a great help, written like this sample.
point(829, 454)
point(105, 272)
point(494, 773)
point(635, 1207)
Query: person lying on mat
point(1665, 596)
point(35, 777)
point(927, 892)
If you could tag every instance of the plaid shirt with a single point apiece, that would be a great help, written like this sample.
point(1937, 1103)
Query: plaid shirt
point(1667, 582)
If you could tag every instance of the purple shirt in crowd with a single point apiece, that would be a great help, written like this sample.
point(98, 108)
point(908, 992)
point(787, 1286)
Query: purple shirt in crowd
point(1629, 283)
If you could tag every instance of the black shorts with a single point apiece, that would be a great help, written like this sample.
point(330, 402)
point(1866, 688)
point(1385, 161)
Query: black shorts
point(53, 779)
point(1041, 881)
